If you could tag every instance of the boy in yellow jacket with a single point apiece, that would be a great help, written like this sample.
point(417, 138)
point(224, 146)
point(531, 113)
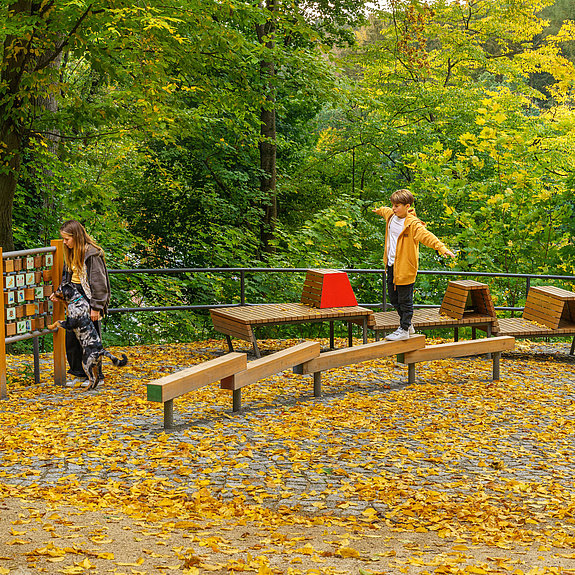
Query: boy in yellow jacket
point(404, 231)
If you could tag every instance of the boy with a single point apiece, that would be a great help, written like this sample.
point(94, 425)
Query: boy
point(404, 231)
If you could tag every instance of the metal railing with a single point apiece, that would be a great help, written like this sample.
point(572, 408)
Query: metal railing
point(242, 272)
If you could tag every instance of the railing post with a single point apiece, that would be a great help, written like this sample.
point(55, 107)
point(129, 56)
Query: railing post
point(384, 291)
point(242, 287)
point(528, 285)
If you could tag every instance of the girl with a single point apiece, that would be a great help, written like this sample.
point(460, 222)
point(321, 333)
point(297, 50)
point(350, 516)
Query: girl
point(85, 267)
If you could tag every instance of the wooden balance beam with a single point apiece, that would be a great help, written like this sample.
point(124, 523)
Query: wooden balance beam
point(358, 354)
point(267, 366)
point(166, 389)
point(494, 345)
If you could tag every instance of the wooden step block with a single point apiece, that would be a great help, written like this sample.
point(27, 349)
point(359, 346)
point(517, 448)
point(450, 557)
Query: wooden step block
point(272, 364)
point(325, 288)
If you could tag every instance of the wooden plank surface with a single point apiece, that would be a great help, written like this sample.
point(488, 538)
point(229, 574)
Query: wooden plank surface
point(427, 318)
point(520, 327)
point(283, 313)
point(460, 349)
point(181, 382)
point(556, 292)
point(271, 364)
point(361, 353)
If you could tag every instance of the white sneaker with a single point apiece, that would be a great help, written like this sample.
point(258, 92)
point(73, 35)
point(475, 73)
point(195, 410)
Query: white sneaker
point(398, 335)
point(76, 381)
point(411, 330)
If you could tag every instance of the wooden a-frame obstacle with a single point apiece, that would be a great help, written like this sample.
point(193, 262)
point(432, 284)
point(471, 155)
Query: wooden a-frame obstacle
point(549, 312)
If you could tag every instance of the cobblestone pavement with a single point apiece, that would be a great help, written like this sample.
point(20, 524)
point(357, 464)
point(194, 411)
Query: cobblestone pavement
point(453, 432)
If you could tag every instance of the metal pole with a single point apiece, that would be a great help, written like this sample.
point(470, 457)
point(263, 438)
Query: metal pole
point(242, 288)
point(236, 399)
point(169, 414)
point(496, 362)
point(317, 384)
point(384, 291)
point(411, 373)
point(36, 348)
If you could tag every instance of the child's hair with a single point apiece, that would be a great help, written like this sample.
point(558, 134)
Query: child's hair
point(402, 196)
point(74, 259)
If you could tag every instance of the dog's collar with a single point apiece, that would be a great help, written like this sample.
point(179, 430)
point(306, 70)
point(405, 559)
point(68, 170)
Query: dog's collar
point(77, 299)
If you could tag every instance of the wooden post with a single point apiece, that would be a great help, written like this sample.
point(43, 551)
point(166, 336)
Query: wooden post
point(331, 336)
point(58, 314)
point(3, 390)
point(572, 346)
point(169, 414)
point(317, 384)
point(349, 334)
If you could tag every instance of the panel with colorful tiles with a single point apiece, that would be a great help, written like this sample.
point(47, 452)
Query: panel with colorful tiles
point(27, 284)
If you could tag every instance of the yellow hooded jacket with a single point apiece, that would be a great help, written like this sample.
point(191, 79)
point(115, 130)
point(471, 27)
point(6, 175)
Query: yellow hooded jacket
point(407, 253)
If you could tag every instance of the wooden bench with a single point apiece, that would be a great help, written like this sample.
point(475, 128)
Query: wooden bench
point(167, 388)
point(466, 303)
point(241, 321)
point(492, 345)
point(267, 366)
point(358, 354)
point(549, 312)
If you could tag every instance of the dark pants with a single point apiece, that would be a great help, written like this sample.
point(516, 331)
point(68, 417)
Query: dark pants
point(74, 351)
point(401, 298)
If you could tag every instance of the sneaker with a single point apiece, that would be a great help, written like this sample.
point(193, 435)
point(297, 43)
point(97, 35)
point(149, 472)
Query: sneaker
point(76, 381)
point(398, 335)
point(411, 330)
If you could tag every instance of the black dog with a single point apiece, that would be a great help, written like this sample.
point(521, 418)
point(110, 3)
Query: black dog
point(78, 320)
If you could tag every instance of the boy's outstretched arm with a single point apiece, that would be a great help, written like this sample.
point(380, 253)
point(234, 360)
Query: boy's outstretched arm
point(383, 211)
point(423, 235)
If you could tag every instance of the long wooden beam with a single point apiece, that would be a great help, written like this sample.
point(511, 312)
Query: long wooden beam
point(459, 349)
point(271, 364)
point(361, 353)
point(176, 384)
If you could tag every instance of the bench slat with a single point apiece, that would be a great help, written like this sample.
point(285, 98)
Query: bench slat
point(181, 382)
point(460, 349)
point(271, 364)
point(361, 353)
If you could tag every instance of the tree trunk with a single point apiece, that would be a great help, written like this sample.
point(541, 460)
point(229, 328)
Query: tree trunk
point(10, 168)
point(267, 146)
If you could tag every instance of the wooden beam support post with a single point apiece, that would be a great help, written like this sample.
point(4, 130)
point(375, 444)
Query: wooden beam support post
point(317, 384)
point(496, 365)
point(236, 399)
point(411, 373)
point(169, 414)
point(58, 314)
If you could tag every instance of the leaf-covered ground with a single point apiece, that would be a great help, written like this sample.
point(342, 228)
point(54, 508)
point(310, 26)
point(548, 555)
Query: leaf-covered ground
point(455, 474)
